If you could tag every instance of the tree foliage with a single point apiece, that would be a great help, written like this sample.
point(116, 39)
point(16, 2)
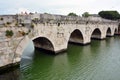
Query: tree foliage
point(85, 14)
point(112, 15)
point(72, 14)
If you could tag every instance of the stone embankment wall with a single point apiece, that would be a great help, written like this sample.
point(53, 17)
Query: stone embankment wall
point(8, 45)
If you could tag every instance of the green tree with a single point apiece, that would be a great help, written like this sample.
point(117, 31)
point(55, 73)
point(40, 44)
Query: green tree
point(72, 14)
point(112, 15)
point(85, 14)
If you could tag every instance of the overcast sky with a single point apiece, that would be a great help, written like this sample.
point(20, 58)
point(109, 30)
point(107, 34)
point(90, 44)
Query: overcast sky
point(58, 6)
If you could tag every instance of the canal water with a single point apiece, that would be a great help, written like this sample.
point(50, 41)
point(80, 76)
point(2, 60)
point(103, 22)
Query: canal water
point(98, 61)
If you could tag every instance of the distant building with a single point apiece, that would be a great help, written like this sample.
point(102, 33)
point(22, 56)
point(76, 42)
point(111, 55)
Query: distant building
point(7, 19)
point(94, 15)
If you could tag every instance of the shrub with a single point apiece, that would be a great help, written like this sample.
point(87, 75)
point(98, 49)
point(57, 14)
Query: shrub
point(1, 19)
point(32, 25)
point(9, 33)
point(8, 23)
point(22, 33)
point(16, 24)
point(22, 24)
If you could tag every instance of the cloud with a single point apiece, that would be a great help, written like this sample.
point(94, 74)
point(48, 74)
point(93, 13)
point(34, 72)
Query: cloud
point(58, 6)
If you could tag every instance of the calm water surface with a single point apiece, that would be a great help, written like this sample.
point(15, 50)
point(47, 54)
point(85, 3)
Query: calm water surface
point(98, 61)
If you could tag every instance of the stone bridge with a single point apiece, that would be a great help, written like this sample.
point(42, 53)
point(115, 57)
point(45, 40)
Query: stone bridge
point(53, 32)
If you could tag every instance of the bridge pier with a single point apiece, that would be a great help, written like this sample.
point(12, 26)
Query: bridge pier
point(109, 35)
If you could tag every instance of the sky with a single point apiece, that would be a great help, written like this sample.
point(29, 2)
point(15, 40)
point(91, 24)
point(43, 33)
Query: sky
point(62, 7)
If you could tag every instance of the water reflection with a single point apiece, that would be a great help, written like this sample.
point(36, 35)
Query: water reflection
point(43, 63)
point(11, 75)
point(98, 61)
point(27, 55)
point(61, 65)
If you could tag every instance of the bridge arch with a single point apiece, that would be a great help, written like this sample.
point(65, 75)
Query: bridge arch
point(43, 43)
point(76, 36)
point(40, 42)
point(96, 34)
point(108, 32)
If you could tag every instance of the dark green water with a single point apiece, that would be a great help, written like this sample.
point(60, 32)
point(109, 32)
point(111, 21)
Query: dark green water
point(98, 61)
